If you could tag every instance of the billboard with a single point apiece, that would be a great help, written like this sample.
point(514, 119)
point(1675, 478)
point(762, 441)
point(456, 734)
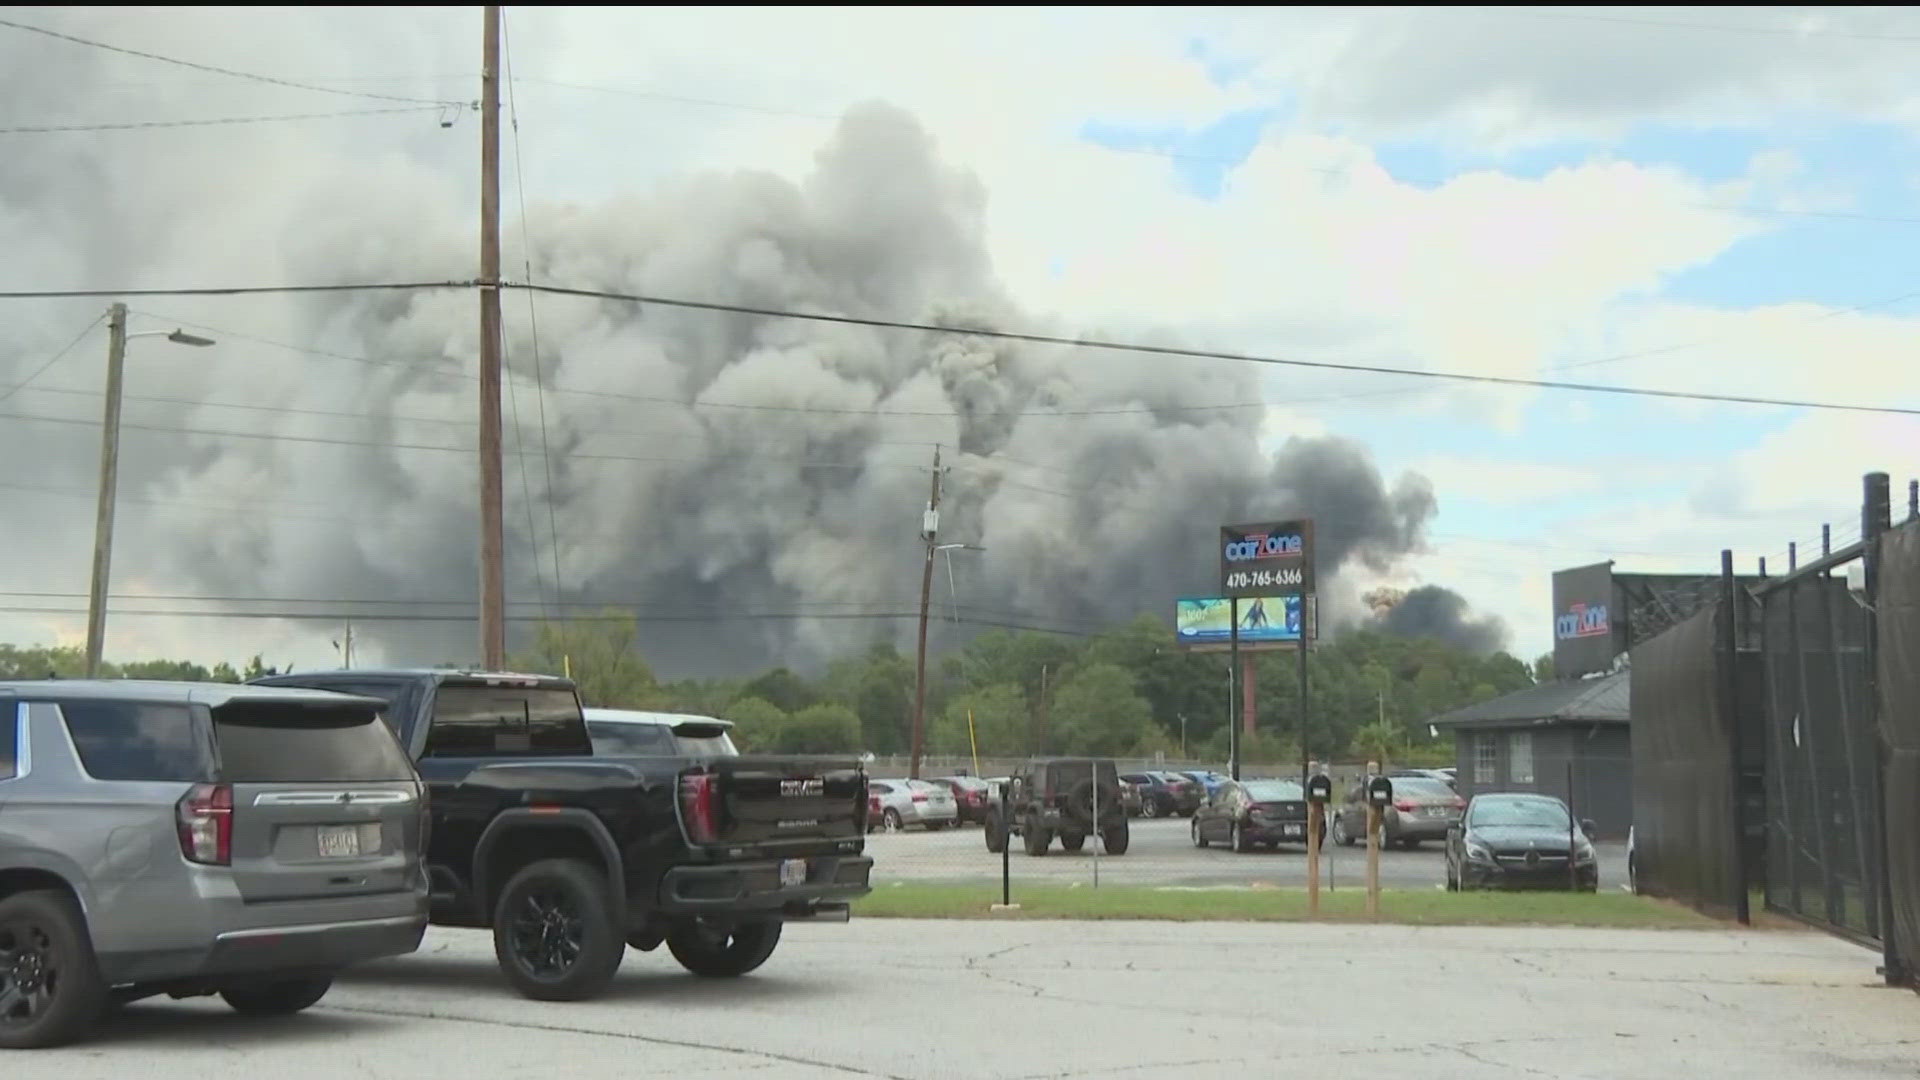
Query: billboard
point(1272, 558)
point(1264, 621)
point(1585, 622)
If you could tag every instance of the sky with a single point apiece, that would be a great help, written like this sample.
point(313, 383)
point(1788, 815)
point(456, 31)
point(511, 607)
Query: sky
point(1712, 200)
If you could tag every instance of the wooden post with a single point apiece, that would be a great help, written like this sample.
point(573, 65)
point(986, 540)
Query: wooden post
point(493, 621)
point(109, 488)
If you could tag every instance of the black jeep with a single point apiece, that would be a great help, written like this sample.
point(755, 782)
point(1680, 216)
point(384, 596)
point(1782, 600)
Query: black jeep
point(1072, 798)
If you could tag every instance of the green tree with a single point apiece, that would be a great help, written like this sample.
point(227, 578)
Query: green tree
point(601, 656)
point(784, 689)
point(1096, 711)
point(1379, 741)
point(1001, 723)
point(819, 729)
point(757, 723)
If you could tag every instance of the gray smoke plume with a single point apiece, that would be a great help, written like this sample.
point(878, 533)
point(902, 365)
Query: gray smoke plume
point(1435, 612)
point(752, 486)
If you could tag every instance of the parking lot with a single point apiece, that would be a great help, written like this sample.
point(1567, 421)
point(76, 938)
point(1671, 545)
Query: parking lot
point(1161, 852)
point(902, 999)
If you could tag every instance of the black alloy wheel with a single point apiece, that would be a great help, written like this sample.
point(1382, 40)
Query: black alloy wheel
point(50, 985)
point(554, 931)
point(548, 935)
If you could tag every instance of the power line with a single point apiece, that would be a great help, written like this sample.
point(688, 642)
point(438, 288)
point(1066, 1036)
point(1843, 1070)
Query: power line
point(242, 290)
point(54, 359)
point(1208, 354)
point(337, 617)
point(44, 129)
point(377, 444)
point(1216, 159)
point(533, 316)
point(269, 79)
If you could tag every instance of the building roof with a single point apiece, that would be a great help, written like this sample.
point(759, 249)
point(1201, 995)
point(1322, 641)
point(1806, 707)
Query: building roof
point(1597, 700)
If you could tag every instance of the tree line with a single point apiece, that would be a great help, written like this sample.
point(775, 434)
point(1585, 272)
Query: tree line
point(1127, 692)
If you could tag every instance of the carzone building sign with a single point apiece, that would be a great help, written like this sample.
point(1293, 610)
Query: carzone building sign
point(1584, 621)
point(1268, 559)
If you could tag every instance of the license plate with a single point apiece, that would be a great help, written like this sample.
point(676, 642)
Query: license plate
point(793, 872)
point(1293, 830)
point(339, 841)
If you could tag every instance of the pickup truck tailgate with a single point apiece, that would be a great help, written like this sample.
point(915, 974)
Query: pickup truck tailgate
point(775, 802)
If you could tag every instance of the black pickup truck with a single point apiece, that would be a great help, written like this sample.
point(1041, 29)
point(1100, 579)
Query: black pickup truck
point(570, 858)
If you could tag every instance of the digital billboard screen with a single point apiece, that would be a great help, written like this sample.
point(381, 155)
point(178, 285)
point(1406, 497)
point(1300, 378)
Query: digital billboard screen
point(1263, 620)
point(1584, 621)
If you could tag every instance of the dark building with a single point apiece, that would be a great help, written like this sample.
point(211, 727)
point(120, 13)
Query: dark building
point(1582, 720)
point(1570, 738)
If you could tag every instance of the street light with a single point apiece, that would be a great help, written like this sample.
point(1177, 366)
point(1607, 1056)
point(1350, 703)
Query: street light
point(953, 592)
point(117, 338)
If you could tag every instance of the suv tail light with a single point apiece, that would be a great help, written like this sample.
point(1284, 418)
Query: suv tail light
point(205, 817)
point(919, 796)
point(696, 807)
point(1405, 806)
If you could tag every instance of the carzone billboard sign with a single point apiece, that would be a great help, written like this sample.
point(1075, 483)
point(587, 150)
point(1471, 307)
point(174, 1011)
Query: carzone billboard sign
point(1268, 559)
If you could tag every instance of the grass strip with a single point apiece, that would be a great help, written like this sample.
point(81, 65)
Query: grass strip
point(1413, 907)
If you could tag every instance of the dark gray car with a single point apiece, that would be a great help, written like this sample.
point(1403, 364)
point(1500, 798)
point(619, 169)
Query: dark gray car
point(193, 839)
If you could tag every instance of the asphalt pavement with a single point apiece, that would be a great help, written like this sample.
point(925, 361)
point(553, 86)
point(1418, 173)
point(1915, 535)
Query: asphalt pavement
point(1161, 852)
point(909, 1000)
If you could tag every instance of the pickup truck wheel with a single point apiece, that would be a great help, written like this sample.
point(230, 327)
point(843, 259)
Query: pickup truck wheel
point(1116, 839)
point(281, 997)
point(554, 933)
point(50, 986)
point(1073, 841)
point(714, 952)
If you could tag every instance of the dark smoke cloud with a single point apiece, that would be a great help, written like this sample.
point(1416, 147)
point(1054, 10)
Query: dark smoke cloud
point(701, 464)
point(1440, 613)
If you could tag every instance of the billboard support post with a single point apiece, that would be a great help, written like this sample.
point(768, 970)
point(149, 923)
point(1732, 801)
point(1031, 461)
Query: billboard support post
point(1233, 673)
point(1303, 693)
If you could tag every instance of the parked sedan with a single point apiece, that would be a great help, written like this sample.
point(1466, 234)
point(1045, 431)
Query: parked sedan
point(1248, 812)
point(970, 793)
point(1512, 840)
point(911, 802)
point(1445, 776)
point(1210, 782)
point(1422, 810)
point(1164, 794)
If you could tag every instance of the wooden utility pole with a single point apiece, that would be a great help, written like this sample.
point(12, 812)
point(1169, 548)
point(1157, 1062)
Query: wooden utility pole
point(930, 529)
point(493, 609)
point(109, 487)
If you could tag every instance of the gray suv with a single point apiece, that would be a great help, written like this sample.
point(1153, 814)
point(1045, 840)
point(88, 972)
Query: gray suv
point(196, 838)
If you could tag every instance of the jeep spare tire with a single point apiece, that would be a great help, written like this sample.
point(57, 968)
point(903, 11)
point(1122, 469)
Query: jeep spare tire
point(1080, 801)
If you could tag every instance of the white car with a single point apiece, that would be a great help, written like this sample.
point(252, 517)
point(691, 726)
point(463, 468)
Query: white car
point(632, 733)
point(910, 802)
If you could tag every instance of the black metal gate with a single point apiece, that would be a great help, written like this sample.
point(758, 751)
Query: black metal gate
point(1826, 844)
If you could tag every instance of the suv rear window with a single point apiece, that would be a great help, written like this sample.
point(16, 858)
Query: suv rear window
point(616, 738)
point(263, 743)
point(137, 740)
point(481, 721)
